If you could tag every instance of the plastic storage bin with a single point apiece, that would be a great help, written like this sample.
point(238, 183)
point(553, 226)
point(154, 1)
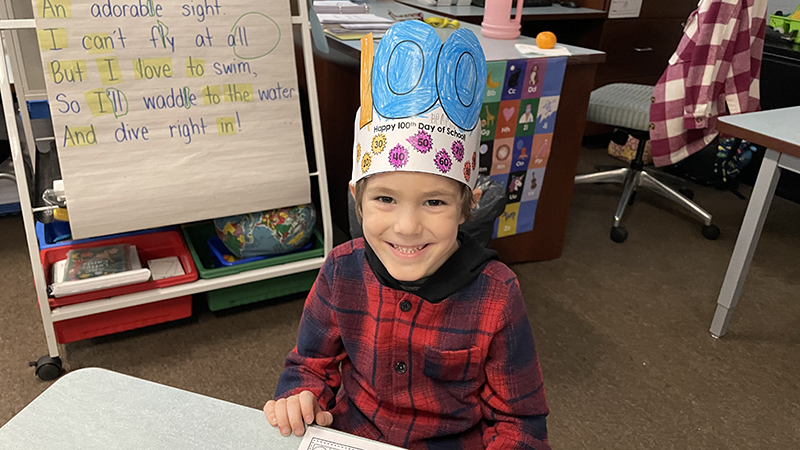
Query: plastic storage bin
point(197, 235)
point(149, 246)
point(259, 291)
point(46, 241)
point(787, 24)
point(123, 319)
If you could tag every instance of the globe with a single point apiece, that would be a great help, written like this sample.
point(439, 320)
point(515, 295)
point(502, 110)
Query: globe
point(267, 233)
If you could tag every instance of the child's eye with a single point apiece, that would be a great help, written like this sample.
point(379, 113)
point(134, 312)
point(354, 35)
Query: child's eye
point(385, 199)
point(434, 203)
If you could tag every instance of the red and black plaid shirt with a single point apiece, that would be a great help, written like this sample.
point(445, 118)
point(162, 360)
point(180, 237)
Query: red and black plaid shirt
point(460, 373)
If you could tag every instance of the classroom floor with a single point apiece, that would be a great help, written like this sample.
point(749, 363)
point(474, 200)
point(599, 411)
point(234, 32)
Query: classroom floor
point(621, 330)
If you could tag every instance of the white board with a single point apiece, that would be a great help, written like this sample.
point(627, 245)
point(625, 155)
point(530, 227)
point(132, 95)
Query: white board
point(169, 112)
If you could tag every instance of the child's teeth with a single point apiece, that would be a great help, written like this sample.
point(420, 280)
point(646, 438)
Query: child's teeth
point(408, 249)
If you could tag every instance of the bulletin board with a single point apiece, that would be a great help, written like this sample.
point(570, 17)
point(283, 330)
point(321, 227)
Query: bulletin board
point(169, 112)
point(517, 120)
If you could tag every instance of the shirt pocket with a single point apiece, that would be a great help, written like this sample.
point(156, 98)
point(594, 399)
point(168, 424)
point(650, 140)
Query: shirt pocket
point(452, 365)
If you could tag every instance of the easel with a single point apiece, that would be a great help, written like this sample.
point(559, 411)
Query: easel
point(49, 367)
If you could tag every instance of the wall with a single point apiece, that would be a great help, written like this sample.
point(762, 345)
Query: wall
point(783, 5)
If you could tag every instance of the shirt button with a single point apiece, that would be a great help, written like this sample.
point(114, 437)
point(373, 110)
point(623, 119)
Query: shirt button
point(405, 306)
point(400, 367)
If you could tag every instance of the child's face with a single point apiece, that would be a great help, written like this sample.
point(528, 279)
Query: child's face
point(411, 221)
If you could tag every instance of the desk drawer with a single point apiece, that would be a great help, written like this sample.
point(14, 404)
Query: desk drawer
point(638, 48)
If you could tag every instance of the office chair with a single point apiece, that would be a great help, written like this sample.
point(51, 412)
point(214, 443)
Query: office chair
point(627, 107)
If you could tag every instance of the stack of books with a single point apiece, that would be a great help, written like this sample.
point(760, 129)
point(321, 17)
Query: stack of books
point(347, 20)
point(92, 269)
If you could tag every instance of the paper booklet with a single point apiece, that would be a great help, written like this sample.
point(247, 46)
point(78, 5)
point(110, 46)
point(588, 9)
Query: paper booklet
point(345, 34)
point(340, 7)
point(352, 18)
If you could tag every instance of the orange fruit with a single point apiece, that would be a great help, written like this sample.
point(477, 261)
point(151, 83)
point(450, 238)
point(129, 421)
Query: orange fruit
point(546, 40)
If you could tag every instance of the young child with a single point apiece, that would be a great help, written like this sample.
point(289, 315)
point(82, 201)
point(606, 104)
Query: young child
point(415, 335)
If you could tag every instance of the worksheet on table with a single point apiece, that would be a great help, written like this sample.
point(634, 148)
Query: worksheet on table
point(318, 438)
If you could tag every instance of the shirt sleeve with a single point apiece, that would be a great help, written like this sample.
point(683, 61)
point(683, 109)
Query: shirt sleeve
point(710, 61)
point(313, 365)
point(514, 403)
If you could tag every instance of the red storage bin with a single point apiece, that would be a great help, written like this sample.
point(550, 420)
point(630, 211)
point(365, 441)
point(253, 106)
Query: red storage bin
point(123, 319)
point(155, 245)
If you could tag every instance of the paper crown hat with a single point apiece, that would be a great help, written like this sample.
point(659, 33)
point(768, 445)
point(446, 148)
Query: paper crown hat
point(420, 103)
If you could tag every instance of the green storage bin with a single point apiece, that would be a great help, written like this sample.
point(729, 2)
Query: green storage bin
point(260, 290)
point(197, 234)
point(787, 24)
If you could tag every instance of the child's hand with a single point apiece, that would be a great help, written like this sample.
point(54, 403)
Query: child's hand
point(293, 413)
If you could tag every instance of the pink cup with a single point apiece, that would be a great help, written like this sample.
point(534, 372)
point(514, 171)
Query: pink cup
point(497, 23)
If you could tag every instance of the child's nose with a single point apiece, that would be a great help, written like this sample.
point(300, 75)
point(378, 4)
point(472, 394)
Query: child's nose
point(408, 222)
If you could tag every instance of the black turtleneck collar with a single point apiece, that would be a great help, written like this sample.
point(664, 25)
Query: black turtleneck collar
point(460, 269)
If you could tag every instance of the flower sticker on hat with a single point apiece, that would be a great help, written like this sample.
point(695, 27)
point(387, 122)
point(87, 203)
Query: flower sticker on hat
point(366, 162)
point(467, 170)
point(378, 143)
point(358, 152)
point(398, 156)
point(421, 141)
point(473, 160)
point(442, 161)
point(458, 150)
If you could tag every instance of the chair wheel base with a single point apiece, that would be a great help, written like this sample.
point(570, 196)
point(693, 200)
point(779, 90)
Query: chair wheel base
point(48, 368)
point(711, 232)
point(618, 234)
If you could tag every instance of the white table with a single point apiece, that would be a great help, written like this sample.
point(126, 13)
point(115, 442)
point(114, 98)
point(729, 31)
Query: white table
point(94, 409)
point(779, 131)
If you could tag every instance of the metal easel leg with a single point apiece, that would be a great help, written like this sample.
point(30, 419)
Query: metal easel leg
point(316, 124)
point(48, 367)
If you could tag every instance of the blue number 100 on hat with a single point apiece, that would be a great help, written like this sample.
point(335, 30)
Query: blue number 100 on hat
point(412, 70)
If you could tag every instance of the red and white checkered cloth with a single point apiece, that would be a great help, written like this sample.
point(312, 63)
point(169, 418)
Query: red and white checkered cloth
point(714, 71)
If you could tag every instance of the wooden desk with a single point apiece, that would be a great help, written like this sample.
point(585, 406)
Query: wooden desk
point(575, 26)
point(778, 131)
point(338, 83)
point(474, 14)
point(96, 409)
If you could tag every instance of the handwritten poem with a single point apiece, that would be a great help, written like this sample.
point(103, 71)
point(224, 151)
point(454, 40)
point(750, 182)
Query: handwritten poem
point(169, 112)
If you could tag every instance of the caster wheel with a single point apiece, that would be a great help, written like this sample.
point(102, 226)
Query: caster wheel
point(47, 368)
point(618, 234)
point(686, 192)
point(711, 232)
point(632, 199)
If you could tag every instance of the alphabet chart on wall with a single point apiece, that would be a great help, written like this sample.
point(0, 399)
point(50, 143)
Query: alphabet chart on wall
point(517, 118)
point(168, 112)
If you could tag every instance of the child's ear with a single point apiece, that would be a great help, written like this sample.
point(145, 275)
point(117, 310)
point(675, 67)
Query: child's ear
point(352, 189)
point(476, 196)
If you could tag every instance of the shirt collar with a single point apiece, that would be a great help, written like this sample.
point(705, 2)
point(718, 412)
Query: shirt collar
point(460, 269)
